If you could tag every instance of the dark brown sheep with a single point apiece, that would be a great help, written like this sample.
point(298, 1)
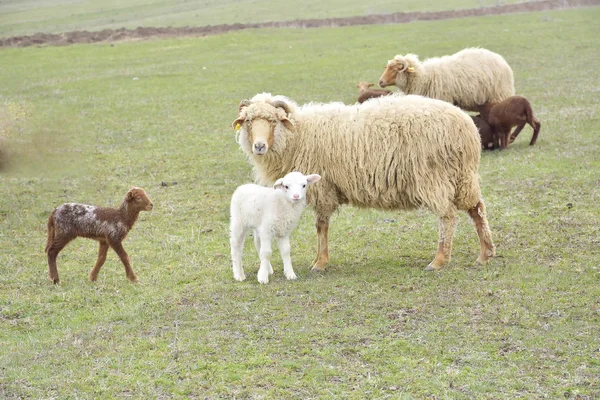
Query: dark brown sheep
point(503, 116)
point(109, 226)
point(485, 133)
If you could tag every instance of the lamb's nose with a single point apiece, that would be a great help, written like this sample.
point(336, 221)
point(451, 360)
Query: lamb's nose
point(296, 196)
point(381, 83)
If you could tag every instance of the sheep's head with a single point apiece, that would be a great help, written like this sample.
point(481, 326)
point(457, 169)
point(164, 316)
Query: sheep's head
point(397, 71)
point(294, 185)
point(258, 121)
point(363, 86)
point(138, 198)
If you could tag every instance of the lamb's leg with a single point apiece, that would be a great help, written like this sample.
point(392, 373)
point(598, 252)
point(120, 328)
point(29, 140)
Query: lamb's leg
point(284, 249)
point(536, 131)
point(118, 248)
point(517, 131)
point(479, 217)
point(265, 258)
point(238, 236)
point(447, 224)
point(257, 246)
point(322, 259)
point(100, 262)
point(57, 245)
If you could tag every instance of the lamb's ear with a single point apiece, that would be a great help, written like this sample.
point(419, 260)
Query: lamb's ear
point(278, 184)
point(313, 178)
point(370, 85)
point(130, 195)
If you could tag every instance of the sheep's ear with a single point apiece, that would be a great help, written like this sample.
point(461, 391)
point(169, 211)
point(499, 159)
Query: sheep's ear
point(237, 124)
point(287, 123)
point(278, 184)
point(314, 178)
point(402, 66)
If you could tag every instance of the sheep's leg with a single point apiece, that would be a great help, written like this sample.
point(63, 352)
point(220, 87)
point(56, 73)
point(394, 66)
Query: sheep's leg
point(323, 249)
point(53, 249)
point(517, 131)
point(100, 262)
point(118, 248)
point(479, 217)
point(265, 258)
point(238, 236)
point(284, 249)
point(257, 246)
point(447, 224)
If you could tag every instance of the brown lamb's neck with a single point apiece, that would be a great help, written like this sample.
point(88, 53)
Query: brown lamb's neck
point(129, 214)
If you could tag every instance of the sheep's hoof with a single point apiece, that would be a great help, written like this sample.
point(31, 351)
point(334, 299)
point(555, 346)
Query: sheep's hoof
point(239, 278)
point(317, 268)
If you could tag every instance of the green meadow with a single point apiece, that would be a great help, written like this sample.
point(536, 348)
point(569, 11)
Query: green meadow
point(25, 17)
point(83, 123)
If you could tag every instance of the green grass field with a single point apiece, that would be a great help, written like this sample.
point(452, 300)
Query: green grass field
point(86, 122)
point(24, 17)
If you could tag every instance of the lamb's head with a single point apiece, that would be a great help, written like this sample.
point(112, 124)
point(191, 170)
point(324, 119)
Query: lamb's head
point(258, 122)
point(399, 70)
point(363, 86)
point(138, 199)
point(294, 185)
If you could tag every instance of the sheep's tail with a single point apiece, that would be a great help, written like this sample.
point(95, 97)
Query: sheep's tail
point(531, 120)
point(50, 231)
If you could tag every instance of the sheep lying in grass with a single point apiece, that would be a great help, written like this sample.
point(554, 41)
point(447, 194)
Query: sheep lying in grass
point(503, 116)
point(109, 226)
point(393, 152)
point(467, 79)
point(366, 93)
point(272, 213)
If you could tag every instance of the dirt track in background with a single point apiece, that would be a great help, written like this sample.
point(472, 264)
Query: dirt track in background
point(114, 35)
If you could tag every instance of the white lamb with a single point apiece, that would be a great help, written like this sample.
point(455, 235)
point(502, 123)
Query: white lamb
point(272, 213)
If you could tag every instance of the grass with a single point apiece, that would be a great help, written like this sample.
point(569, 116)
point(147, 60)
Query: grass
point(85, 122)
point(18, 17)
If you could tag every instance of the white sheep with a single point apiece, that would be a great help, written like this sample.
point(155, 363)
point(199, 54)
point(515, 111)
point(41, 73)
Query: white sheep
point(271, 213)
point(392, 152)
point(468, 79)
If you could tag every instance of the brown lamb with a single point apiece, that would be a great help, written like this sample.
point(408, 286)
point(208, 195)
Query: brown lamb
point(109, 226)
point(503, 116)
point(485, 133)
point(366, 93)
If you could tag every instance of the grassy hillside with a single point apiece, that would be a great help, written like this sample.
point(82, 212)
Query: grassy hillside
point(86, 122)
point(18, 17)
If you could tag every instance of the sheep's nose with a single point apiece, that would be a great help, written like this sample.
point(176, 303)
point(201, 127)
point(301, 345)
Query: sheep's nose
point(259, 148)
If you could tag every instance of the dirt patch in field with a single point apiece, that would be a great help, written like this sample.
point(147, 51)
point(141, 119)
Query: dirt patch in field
point(113, 35)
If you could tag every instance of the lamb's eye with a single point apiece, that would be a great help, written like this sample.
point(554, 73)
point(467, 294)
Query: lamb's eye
point(286, 187)
point(304, 185)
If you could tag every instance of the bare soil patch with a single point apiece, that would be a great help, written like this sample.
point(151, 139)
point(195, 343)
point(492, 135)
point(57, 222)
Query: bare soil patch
point(114, 35)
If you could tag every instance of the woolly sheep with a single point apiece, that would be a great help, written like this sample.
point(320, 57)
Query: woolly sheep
point(109, 226)
point(272, 213)
point(503, 116)
point(467, 79)
point(392, 152)
point(366, 93)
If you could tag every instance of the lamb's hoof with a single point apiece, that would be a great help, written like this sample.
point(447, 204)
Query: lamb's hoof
point(432, 267)
point(263, 277)
point(56, 281)
point(317, 268)
point(93, 278)
point(134, 279)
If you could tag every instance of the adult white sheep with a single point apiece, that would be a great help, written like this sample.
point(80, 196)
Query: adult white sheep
point(272, 213)
point(467, 79)
point(392, 152)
